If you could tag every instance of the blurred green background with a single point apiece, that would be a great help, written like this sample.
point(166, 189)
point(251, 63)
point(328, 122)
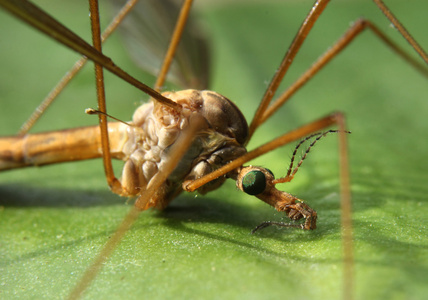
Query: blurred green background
point(54, 220)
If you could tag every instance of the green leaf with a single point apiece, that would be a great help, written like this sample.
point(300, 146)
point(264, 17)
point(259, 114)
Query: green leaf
point(54, 220)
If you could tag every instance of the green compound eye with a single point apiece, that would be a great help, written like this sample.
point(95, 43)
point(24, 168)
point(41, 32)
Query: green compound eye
point(254, 182)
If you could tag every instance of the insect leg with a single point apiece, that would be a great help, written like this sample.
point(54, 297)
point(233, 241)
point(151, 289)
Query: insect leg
point(289, 137)
point(345, 193)
point(300, 37)
point(112, 181)
point(354, 31)
point(175, 39)
point(53, 94)
point(40, 20)
point(143, 202)
point(402, 30)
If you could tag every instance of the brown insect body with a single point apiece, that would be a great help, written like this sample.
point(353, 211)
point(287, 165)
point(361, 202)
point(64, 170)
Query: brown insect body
point(145, 145)
point(158, 127)
point(146, 148)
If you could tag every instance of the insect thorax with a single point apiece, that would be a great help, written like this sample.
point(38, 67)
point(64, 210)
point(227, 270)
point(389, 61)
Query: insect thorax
point(157, 128)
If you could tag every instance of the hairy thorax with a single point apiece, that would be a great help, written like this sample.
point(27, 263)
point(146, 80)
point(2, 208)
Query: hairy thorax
point(157, 127)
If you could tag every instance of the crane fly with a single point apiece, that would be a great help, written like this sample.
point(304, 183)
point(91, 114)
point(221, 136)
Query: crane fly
point(102, 231)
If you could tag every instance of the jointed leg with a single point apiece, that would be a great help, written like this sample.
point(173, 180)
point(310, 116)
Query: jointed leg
point(291, 205)
point(300, 37)
point(112, 181)
point(64, 81)
point(143, 202)
point(175, 39)
point(264, 111)
point(402, 30)
point(289, 137)
point(358, 27)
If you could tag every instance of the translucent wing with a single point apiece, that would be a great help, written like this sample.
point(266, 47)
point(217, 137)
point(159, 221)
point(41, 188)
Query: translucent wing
point(146, 32)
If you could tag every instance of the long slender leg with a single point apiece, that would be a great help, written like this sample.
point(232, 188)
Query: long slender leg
point(65, 80)
point(175, 39)
point(112, 181)
point(40, 20)
point(355, 30)
point(300, 37)
point(178, 150)
point(346, 208)
point(104, 254)
point(289, 137)
point(345, 194)
point(143, 202)
point(264, 111)
point(402, 30)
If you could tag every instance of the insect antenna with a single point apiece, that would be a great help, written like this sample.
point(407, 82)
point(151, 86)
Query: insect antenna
point(291, 172)
point(295, 151)
point(289, 137)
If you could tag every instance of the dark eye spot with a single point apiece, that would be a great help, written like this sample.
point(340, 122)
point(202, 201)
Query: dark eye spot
point(271, 173)
point(254, 182)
